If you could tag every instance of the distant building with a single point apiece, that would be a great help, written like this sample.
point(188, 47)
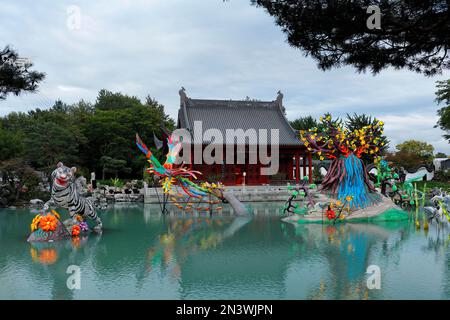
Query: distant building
point(441, 164)
point(294, 163)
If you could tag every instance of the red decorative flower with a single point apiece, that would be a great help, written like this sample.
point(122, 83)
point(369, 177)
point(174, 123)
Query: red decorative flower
point(330, 214)
point(76, 230)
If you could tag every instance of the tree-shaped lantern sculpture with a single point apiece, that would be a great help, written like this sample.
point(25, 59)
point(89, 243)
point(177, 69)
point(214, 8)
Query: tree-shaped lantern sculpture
point(347, 177)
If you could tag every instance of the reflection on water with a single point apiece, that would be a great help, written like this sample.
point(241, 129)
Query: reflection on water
point(144, 255)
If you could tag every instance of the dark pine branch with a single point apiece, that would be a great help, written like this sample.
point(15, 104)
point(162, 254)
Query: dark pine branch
point(414, 34)
point(15, 76)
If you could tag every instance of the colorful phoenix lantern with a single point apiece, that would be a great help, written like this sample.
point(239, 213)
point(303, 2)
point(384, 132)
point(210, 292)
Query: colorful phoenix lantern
point(178, 176)
point(347, 175)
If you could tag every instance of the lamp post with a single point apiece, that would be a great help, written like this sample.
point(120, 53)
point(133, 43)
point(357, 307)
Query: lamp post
point(243, 180)
point(293, 168)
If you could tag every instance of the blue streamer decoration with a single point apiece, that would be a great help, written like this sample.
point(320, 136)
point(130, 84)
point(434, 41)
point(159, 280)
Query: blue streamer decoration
point(353, 184)
point(194, 191)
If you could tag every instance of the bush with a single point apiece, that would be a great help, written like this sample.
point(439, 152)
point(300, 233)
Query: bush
point(317, 175)
point(43, 195)
point(433, 184)
point(152, 180)
point(407, 160)
point(82, 171)
point(139, 184)
point(19, 179)
point(117, 183)
point(103, 182)
point(442, 176)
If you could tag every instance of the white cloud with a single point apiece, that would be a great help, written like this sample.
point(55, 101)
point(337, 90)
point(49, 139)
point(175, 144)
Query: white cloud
point(417, 126)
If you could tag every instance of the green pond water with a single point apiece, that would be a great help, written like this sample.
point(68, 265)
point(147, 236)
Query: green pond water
point(143, 255)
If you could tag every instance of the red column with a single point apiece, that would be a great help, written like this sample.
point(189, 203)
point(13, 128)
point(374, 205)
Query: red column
point(304, 164)
point(310, 167)
point(297, 167)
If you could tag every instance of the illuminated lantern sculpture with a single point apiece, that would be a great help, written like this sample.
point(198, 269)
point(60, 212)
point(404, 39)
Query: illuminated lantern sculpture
point(347, 175)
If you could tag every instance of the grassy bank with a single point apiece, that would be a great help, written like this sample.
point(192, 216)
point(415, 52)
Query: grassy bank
point(434, 184)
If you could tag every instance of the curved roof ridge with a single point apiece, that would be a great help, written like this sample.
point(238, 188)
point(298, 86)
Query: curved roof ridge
point(238, 114)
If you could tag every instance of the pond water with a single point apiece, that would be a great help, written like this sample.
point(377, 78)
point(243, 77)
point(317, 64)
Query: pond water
point(143, 255)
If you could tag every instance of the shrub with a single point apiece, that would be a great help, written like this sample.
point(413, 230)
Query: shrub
point(139, 184)
point(117, 183)
point(19, 179)
point(407, 160)
point(442, 176)
point(317, 175)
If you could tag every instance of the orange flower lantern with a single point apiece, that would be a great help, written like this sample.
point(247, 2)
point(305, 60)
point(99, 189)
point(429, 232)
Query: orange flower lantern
point(48, 223)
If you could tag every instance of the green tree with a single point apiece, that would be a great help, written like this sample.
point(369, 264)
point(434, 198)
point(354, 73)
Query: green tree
point(16, 176)
point(155, 106)
point(94, 137)
point(407, 160)
point(411, 153)
point(443, 96)
point(51, 136)
point(440, 155)
point(111, 165)
point(11, 144)
point(15, 74)
point(304, 123)
point(50, 143)
point(413, 34)
point(111, 131)
point(15, 121)
point(107, 100)
point(420, 148)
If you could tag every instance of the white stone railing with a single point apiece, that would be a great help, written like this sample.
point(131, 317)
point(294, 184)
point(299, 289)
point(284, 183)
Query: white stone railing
point(235, 189)
point(243, 193)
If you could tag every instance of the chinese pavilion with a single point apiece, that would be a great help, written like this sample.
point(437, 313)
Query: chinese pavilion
point(294, 159)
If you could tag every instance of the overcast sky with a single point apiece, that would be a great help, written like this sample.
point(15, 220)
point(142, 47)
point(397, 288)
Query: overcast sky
point(215, 50)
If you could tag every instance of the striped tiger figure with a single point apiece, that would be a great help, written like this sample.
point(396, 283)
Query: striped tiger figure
point(65, 194)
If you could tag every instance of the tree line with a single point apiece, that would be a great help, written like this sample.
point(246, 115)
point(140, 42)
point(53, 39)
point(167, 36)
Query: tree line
point(95, 136)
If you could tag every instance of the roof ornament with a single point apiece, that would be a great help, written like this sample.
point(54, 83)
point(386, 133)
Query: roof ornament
point(183, 95)
point(279, 102)
point(279, 99)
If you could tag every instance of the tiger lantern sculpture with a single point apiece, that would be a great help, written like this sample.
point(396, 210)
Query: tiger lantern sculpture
point(65, 194)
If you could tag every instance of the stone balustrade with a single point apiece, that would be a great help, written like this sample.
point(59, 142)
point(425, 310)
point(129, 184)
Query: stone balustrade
point(242, 193)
